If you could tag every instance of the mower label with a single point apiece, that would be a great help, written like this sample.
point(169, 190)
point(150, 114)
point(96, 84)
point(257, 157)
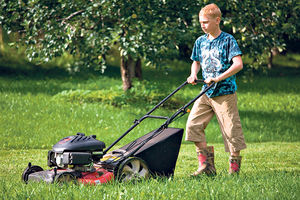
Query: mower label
point(64, 140)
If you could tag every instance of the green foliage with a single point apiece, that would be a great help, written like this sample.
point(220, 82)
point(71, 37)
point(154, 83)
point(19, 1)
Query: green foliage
point(260, 26)
point(50, 28)
point(87, 29)
point(154, 30)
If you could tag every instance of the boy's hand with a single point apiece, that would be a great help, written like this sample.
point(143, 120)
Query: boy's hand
point(191, 79)
point(210, 80)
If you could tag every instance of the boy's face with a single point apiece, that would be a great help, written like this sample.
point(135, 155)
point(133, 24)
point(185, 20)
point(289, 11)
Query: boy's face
point(209, 24)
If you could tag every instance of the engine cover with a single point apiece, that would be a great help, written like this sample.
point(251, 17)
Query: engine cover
point(78, 143)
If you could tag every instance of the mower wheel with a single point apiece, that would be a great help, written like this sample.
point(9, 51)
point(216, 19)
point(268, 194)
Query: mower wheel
point(65, 177)
point(29, 170)
point(133, 168)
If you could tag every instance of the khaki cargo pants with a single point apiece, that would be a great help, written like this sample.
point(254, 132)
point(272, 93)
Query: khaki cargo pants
point(225, 108)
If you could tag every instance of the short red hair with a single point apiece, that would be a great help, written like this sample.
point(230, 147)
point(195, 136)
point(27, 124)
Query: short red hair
point(211, 10)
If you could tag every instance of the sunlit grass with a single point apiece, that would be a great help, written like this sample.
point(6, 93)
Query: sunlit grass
point(32, 119)
point(269, 171)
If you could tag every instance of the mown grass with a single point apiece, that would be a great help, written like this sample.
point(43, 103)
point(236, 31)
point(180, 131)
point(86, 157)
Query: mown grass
point(37, 109)
point(270, 171)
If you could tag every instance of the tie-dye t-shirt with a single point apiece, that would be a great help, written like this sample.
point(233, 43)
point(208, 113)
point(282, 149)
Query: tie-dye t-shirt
point(215, 57)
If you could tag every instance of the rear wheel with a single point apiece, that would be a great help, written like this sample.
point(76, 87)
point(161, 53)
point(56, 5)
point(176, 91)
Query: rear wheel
point(133, 168)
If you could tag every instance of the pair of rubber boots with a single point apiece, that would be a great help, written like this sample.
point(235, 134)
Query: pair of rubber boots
point(206, 160)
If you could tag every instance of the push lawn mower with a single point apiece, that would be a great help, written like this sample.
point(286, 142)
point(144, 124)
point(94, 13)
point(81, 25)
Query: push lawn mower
point(81, 159)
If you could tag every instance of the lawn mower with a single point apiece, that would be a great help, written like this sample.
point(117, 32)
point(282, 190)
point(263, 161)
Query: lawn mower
point(82, 159)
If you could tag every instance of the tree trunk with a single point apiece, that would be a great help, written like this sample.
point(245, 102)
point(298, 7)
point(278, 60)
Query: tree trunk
point(130, 69)
point(270, 60)
point(135, 68)
point(1, 39)
point(138, 69)
point(130, 63)
point(273, 52)
point(125, 73)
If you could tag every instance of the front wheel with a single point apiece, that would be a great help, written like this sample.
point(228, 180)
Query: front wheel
point(29, 170)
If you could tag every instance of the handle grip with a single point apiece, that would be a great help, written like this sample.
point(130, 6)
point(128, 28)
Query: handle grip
point(196, 81)
point(202, 81)
point(199, 81)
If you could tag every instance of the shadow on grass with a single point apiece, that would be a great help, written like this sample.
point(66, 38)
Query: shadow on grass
point(36, 72)
point(270, 126)
point(35, 79)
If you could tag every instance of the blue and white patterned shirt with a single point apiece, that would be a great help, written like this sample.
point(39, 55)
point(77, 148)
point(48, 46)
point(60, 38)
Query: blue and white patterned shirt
point(215, 58)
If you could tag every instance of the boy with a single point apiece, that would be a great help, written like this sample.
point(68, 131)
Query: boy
point(219, 56)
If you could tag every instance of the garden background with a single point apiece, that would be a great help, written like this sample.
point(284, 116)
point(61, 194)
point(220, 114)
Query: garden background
point(61, 65)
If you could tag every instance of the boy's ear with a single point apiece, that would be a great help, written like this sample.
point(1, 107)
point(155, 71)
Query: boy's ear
point(218, 19)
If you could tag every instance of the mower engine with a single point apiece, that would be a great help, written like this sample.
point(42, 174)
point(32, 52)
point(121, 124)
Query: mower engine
point(72, 160)
point(76, 152)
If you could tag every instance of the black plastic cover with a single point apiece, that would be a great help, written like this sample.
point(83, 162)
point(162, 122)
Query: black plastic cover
point(160, 153)
point(80, 143)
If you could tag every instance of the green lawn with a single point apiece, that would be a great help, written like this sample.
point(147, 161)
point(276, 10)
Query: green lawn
point(269, 171)
point(39, 107)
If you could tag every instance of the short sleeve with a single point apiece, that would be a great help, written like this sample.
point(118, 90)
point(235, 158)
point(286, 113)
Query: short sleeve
point(196, 52)
point(234, 49)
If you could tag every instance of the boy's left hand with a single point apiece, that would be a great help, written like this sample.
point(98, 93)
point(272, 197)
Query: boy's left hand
point(210, 80)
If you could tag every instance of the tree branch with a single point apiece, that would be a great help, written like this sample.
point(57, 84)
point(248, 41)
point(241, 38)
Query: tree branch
point(72, 15)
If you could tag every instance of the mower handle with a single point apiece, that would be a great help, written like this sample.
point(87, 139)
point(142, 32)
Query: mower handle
point(147, 115)
point(169, 120)
point(176, 90)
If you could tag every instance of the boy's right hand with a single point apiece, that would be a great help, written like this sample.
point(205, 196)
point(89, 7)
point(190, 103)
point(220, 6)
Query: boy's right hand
point(192, 79)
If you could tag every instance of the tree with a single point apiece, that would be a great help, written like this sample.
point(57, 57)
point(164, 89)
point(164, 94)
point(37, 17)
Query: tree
point(262, 26)
point(148, 29)
point(87, 29)
point(152, 30)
